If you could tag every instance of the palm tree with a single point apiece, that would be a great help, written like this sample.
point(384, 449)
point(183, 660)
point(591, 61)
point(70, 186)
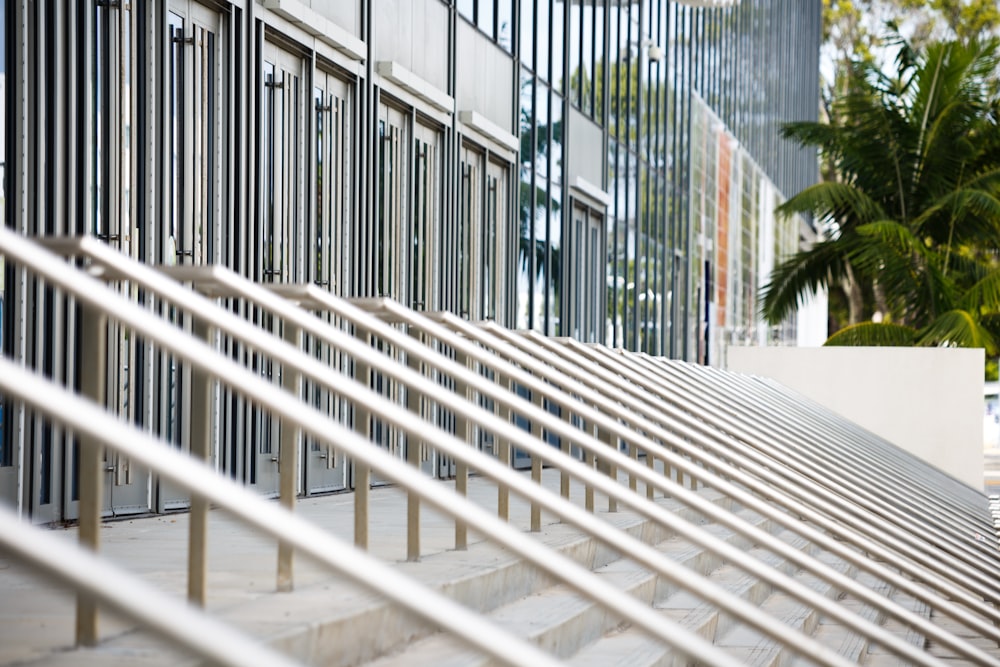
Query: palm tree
point(915, 211)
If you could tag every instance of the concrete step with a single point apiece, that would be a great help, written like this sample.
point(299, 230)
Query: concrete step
point(628, 646)
point(557, 619)
point(332, 623)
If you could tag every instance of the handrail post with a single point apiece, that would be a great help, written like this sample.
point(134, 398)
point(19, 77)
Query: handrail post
point(651, 464)
point(93, 368)
point(566, 447)
point(288, 458)
point(633, 452)
point(608, 466)
point(362, 471)
point(536, 463)
point(413, 448)
point(201, 430)
point(505, 455)
point(463, 431)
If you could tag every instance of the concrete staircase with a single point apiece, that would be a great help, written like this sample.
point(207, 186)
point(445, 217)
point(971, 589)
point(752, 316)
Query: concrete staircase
point(329, 622)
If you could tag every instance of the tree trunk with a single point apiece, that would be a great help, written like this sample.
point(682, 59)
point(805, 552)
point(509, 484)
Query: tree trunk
point(855, 299)
point(880, 301)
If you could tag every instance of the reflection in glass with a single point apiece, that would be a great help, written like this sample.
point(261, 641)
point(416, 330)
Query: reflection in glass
point(526, 17)
point(600, 61)
point(587, 56)
point(526, 205)
point(558, 44)
point(579, 77)
point(505, 22)
point(543, 40)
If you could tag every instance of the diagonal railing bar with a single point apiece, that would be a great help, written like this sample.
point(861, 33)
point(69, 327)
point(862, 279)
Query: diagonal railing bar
point(935, 600)
point(221, 282)
point(749, 614)
point(314, 423)
point(397, 313)
point(867, 449)
point(779, 447)
point(875, 448)
point(906, 650)
point(903, 515)
point(130, 596)
point(819, 538)
point(823, 416)
point(826, 467)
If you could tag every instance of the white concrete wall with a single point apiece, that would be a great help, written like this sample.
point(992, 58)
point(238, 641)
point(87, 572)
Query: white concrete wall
point(929, 401)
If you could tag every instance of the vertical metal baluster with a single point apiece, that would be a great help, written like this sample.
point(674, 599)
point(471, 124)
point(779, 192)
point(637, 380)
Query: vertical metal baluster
point(463, 431)
point(288, 459)
point(413, 447)
point(201, 430)
point(362, 472)
point(93, 359)
point(536, 463)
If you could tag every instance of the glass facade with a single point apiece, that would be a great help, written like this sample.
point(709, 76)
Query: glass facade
point(601, 169)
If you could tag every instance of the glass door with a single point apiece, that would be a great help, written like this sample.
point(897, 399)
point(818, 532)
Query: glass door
point(325, 469)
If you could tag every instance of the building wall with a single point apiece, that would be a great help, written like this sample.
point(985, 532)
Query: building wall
point(927, 401)
point(558, 165)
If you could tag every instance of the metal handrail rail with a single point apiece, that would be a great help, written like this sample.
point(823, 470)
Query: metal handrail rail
point(866, 451)
point(233, 284)
point(821, 415)
point(961, 501)
point(130, 596)
point(806, 511)
point(395, 312)
point(89, 291)
point(820, 463)
point(85, 418)
point(644, 371)
point(863, 628)
point(765, 446)
point(757, 505)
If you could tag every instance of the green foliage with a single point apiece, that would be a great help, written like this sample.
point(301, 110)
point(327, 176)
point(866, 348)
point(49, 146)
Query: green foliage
point(874, 334)
point(914, 207)
point(992, 370)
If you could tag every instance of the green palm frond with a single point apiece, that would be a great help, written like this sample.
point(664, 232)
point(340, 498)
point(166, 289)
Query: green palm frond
point(958, 328)
point(962, 215)
point(800, 275)
point(834, 201)
point(916, 151)
point(984, 296)
point(894, 235)
point(910, 272)
point(874, 334)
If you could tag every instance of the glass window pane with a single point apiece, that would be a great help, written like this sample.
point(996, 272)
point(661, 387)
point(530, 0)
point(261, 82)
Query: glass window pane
point(467, 8)
point(525, 259)
point(505, 21)
point(485, 18)
point(558, 21)
point(526, 17)
point(543, 37)
point(594, 56)
point(587, 58)
point(578, 77)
